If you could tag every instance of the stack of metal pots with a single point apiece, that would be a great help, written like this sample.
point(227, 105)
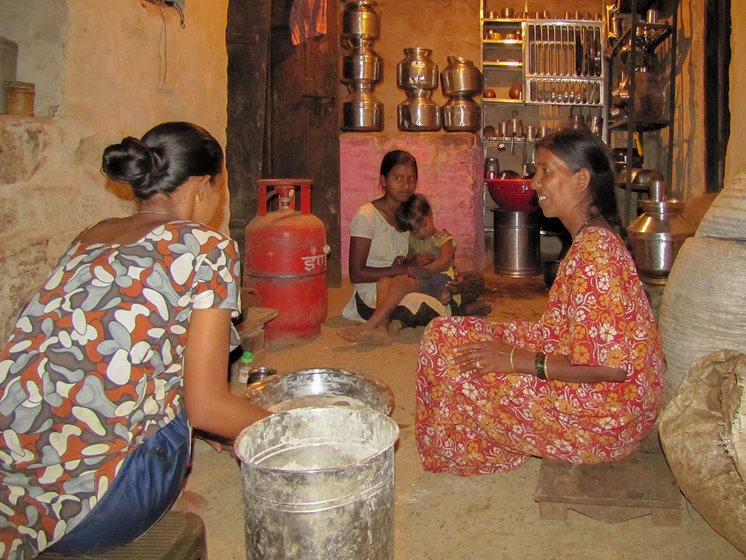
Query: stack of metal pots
point(417, 74)
point(460, 80)
point(658, 234)
point(362, 68)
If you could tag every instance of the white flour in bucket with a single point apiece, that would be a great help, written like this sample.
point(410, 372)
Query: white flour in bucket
point(319, 455)
point(317, 400)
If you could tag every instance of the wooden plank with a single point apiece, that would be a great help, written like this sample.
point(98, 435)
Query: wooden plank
point(639, 484)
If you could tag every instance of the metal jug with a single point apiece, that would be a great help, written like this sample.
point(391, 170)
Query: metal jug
point(362, 112)
point(361, 65)
point(658, 234)
point(417, 70)
point(419, 113)
point(462, 114)
point(359, 19)
point(460, 78)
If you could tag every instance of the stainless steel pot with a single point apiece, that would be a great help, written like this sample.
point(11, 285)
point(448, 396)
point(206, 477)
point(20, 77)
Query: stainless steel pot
point(460, 78)
point(656, 237)
point(417, 70)
point(361, 65)
point(362, 112)
point(419, 113)
point(359, 19)
point(462, 114)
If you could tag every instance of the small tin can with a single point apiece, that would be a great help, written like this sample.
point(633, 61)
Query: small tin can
point(19, 99)
point(259, 373)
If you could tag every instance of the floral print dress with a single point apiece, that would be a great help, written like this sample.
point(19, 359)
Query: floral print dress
point(94, 368)
point(597, 314)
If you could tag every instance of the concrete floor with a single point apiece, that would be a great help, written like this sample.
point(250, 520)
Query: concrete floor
point(444, 517)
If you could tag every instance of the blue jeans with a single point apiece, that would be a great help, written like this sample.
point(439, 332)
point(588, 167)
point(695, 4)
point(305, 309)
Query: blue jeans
point(145, 488)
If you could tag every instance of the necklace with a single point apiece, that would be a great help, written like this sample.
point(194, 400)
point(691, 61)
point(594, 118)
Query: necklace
point(156, 212)
point(587, 222)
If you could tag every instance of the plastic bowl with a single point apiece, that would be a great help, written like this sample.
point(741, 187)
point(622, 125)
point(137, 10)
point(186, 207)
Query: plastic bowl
point(513, 194)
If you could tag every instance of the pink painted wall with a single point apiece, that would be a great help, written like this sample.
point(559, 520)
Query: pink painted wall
point(450, 176)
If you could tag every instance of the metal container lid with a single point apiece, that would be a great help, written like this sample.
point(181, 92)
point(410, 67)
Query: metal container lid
point(671, 206)
point(21, 86)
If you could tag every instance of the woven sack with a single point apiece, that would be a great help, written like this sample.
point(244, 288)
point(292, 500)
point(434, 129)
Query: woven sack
point(696, 446)
point(733, 406)
point(703, 308)
point(726, 217)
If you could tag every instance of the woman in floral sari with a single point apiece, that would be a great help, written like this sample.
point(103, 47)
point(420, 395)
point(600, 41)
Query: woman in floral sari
point(583, 383)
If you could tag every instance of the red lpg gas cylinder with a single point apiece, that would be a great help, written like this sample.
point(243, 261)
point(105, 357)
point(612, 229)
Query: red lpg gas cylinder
point(285, 261)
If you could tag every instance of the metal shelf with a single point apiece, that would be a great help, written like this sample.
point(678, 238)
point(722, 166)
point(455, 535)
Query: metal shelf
point(502, 101)
point(647, 37)
point(640, 125)
point(503, 42)
point(517, 64)
point(542, 56)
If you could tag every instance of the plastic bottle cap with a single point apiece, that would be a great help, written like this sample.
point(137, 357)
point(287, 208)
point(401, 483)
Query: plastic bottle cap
point(247, 357)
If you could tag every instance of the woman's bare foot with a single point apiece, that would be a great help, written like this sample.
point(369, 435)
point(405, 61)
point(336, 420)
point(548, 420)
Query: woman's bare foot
point(378, 336)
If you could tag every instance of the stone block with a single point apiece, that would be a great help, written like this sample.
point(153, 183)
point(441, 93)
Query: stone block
point(23, 145)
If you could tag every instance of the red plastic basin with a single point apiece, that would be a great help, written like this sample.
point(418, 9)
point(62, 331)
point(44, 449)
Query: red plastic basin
point(513, 194)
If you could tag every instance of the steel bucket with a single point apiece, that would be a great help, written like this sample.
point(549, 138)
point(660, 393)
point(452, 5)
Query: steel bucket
point(319, 483)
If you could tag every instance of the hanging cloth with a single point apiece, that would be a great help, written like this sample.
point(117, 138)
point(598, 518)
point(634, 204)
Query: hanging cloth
point(307, 20)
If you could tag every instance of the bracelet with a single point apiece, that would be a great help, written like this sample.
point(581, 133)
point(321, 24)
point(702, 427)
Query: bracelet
point(540, 366)
point(546, 367)
point(512, 365)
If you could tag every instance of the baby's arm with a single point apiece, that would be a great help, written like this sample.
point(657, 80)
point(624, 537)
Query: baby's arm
point(444, 259)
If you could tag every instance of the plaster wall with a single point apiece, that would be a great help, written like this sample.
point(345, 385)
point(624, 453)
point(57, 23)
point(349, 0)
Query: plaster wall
point(736, 154)
point(102, 71)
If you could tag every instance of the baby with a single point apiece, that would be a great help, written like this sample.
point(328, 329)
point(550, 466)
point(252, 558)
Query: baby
point(433, 248)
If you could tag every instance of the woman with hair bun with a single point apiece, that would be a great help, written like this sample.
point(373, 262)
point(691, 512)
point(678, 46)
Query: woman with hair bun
point(122, 350)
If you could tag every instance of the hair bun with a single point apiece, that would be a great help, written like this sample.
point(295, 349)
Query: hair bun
point(132, 162)
point(165, 158)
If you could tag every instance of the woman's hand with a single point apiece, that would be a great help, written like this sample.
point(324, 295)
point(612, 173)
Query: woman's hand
point(483, 357)
point(423, 259)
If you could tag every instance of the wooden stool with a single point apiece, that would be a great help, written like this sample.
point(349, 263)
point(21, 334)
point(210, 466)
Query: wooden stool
point(640, 484)
point(177, 536)
point(253, 319)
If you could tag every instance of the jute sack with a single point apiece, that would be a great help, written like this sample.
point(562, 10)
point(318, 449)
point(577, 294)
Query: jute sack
point(726, 217)
point(733, 405)
point(703, 308)
point(697, 448)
